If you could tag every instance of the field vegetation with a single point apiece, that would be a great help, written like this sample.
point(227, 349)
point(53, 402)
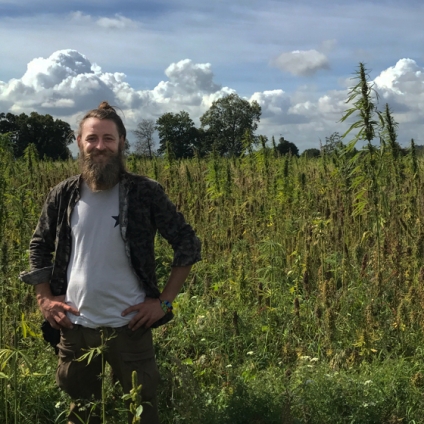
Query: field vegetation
point(306, 308)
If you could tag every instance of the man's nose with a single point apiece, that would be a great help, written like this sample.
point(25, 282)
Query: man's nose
point(101, 144)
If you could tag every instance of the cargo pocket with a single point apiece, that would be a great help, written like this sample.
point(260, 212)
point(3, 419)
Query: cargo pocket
point(65, 354)
point(65, 372)
point(76, 378)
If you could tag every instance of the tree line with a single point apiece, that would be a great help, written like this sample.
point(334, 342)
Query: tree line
point(227, 128)
point(51, 137)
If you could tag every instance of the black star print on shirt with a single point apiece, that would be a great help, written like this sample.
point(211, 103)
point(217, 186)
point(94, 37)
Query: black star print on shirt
point(116, 218)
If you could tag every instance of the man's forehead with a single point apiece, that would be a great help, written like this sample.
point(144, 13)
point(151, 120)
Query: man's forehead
point(99, 125)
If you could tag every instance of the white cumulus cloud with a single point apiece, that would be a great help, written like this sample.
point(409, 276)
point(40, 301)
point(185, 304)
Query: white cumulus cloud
point(66, 84)
point(405, 76)
point(46, 73)
point(402, 87)
point(276, 108)
point(301, 62)
point(192, 77)
point(272, 102)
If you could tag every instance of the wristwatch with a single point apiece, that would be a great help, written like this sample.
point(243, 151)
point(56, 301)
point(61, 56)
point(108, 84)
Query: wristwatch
point(166, 306)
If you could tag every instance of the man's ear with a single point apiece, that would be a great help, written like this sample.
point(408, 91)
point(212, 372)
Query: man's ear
point(79, 141)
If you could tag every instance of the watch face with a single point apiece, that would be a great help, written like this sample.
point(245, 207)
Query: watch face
point(166, 306)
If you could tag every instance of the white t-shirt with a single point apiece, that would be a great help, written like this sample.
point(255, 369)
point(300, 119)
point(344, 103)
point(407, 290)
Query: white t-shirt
point(101, 282)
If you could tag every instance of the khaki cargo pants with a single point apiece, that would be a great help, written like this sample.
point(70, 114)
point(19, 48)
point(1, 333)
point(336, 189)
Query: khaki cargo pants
point(126, 351)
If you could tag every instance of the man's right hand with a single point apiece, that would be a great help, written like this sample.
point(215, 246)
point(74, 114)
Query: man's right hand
point(54, 308)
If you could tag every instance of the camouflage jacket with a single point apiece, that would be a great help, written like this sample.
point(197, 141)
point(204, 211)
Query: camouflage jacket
point(144, 209)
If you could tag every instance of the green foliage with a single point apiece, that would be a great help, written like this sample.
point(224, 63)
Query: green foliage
point(285, 147)
point(306, 308)
point(179, 131)
point(136, 408)
point(363, 99)
point(227, 121)
point(311, 153)
point(50, 136)
point(333, 144)
point(373, 393)
point(290, 270)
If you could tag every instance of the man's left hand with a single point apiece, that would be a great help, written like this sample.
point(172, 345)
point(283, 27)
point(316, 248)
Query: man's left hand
point(148, 312)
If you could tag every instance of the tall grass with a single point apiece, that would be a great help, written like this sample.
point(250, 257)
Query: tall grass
point(306, 308)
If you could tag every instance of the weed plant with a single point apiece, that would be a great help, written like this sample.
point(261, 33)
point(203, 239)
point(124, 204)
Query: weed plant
point(306, 308)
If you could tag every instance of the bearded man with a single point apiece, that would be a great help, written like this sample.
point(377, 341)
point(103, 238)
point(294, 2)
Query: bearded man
point(93, 267)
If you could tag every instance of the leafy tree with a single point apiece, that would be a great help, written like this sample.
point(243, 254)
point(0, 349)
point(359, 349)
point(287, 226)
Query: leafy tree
point(144, 144)
point(227, 121)
point(178, 131)
point(333, 144)
point(285, 147)
point(50, 137)
point(311, 153)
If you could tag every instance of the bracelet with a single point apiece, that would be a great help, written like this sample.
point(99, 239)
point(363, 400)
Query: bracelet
point(166, 306)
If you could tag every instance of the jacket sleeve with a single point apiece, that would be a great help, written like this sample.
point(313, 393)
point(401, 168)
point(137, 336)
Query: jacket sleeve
point(173, 227)
point(42, 244)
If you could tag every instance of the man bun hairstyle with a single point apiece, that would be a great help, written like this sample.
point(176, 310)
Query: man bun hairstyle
point(105, 111)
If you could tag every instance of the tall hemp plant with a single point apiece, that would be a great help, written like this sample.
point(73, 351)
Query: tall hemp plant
point(368, 164)
point(395, 174)
point(390, 136)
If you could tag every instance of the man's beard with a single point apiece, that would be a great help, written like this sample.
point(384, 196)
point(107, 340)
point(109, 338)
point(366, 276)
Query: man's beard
point(101, 175)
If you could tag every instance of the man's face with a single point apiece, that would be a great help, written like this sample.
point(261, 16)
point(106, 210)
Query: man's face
point(101, 158)
point(100, 139)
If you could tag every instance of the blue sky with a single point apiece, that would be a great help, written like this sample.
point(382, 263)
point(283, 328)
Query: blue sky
point(152, 57)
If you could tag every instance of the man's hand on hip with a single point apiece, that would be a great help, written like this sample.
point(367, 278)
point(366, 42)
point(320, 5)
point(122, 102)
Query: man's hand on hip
point(150, 310)
point(54, 308)
point(148, 313)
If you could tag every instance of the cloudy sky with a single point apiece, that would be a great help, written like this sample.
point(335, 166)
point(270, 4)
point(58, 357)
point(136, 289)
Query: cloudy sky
point(296, 58)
